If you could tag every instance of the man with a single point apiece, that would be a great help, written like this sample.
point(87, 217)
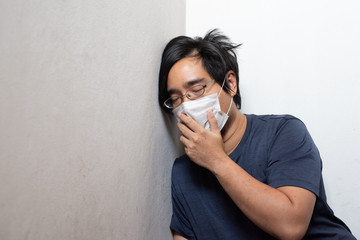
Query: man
point(243, 176)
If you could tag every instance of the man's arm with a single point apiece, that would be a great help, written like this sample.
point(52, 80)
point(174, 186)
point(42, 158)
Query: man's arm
point(284, 212)
point(178, 236)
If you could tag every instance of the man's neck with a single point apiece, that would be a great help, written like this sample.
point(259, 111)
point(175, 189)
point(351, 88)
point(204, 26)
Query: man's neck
point(234, 130)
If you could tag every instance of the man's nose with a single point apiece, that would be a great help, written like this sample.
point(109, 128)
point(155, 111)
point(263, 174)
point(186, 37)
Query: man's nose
point(185, 98)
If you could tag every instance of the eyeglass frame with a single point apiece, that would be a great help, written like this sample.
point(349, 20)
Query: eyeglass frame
point(186, 94)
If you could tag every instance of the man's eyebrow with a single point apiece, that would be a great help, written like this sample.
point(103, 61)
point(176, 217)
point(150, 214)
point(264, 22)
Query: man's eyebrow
point(193, 82)
point(172, 91)
point(187, 85)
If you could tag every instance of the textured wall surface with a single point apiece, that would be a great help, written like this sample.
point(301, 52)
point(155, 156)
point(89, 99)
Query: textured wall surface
point(84, 149)
point(300, 58)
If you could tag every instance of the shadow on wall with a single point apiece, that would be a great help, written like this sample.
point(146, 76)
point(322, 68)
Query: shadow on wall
point(170, 124)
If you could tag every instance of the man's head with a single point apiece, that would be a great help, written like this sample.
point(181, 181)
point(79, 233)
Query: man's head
point(216, 54)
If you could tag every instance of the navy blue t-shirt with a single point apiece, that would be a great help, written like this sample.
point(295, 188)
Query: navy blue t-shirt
point(276, 150)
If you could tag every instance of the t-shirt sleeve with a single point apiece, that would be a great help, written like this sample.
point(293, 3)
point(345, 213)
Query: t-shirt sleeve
point(179, 221)
point(294, 159)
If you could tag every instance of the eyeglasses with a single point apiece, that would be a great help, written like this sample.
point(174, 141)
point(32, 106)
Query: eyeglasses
point(192, 93)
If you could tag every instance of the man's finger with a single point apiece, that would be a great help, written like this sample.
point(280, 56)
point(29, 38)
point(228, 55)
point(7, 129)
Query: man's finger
point(189, 122)
point(184, 141)
point(186, 132)
point(212, 121)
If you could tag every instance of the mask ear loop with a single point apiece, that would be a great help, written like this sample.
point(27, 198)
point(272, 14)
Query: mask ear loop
point(231, 98)
point(229, 106)
point(222, 87)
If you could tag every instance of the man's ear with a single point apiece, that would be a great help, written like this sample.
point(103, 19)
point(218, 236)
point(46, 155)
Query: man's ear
point(231, 82)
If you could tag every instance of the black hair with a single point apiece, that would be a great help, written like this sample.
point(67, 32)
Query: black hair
point(216, 52)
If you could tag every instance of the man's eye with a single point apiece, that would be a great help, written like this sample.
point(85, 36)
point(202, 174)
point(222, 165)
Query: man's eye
point(196, 90)
point(175, 98)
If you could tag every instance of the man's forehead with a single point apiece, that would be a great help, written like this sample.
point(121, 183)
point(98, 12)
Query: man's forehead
point(187, 72)
point(186, 65)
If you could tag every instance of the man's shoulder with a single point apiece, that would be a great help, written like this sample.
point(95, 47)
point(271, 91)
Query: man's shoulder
point(181, 164)
point(272, 121)
point(184, 169)
point(265, 128)
point(272, 117)
point(181, 161)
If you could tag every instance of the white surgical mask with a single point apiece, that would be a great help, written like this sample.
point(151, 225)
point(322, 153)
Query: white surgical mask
point(197, 110)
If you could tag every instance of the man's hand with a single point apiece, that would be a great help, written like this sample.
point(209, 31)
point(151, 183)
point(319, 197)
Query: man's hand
point(203, 147)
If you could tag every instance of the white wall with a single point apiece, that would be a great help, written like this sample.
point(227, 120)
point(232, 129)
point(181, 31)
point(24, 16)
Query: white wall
point(84, 149)
point(302, 58)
